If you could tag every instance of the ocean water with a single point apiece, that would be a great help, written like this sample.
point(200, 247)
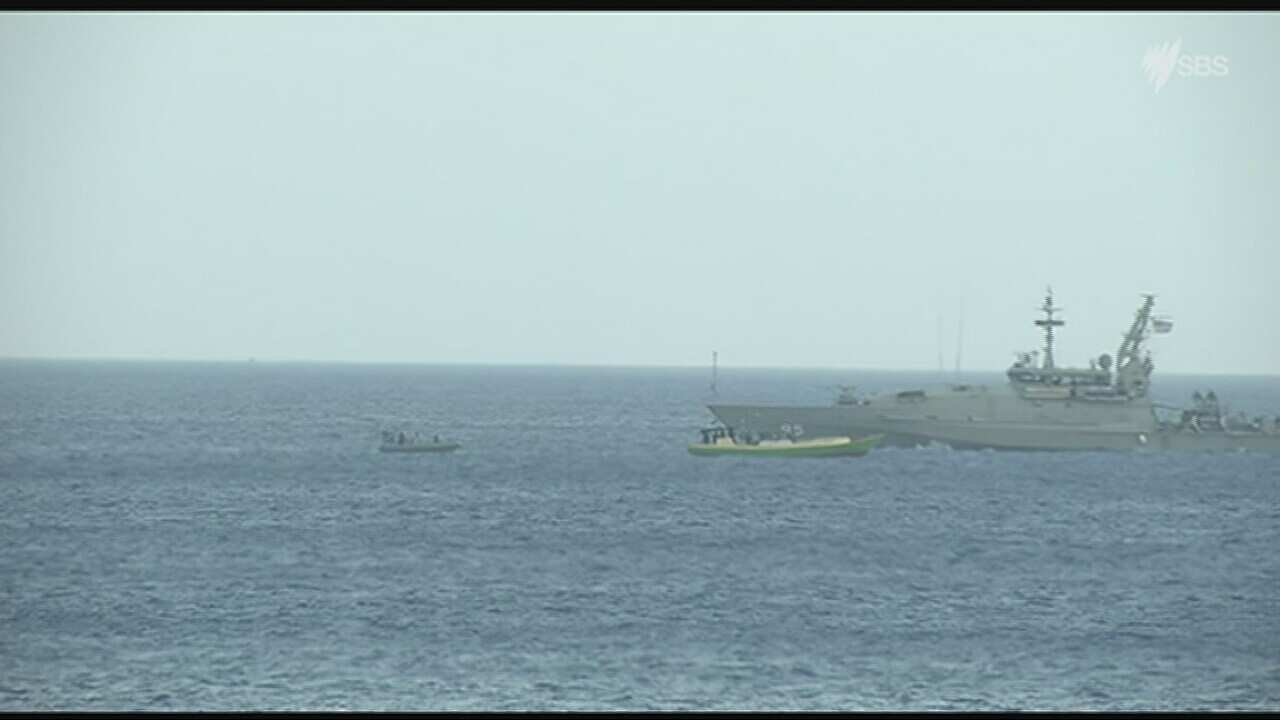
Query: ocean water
point(227, 537)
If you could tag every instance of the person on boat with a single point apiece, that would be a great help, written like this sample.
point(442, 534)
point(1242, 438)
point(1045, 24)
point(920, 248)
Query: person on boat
point(400, 439)
point(435, 439)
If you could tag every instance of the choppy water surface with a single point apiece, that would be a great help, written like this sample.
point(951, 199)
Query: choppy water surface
point(188, 536)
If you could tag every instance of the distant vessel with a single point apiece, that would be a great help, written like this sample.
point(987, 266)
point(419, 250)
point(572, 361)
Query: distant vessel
point(1041, 408)
point(401, 442)
point(723, 441)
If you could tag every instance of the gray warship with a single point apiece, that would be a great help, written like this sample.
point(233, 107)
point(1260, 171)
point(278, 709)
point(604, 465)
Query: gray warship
point(1042, 407)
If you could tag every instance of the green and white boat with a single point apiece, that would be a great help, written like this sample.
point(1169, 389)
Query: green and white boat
point(722, 441)
point(420, 447)
point(415, 443)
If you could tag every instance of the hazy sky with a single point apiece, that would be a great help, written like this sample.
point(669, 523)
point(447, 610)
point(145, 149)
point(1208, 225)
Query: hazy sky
point(787, 189)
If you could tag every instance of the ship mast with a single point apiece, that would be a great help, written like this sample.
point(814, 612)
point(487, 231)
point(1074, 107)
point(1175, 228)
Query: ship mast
point(1049, 323)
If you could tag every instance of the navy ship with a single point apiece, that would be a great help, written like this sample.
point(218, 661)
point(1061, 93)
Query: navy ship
point(1106, 406)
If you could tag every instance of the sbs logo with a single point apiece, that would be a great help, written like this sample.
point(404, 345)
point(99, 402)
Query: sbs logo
point(1160, 62)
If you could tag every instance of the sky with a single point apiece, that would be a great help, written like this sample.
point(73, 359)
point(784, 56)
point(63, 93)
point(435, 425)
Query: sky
point(845, 190)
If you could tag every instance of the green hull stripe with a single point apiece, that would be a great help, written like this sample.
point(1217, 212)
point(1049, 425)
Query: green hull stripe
point(859, 447)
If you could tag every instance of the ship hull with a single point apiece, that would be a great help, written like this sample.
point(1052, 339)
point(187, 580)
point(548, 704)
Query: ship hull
point(982, 433)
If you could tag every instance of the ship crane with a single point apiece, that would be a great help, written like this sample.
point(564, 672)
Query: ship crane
point(1132, 370)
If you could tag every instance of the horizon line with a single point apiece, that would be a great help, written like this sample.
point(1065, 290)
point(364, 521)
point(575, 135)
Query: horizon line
point(620, 366)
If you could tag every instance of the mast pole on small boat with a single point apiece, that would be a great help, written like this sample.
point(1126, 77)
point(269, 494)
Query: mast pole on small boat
point(959, 344)
point(714, 363)
point(941, 368)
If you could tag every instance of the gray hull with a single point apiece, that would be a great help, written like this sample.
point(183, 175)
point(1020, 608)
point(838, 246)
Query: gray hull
point(991, 420)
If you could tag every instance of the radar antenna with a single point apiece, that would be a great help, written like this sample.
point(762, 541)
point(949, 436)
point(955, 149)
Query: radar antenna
point(1049, 323)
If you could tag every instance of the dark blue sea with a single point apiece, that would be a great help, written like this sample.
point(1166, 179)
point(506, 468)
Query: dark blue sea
point(185, 536)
